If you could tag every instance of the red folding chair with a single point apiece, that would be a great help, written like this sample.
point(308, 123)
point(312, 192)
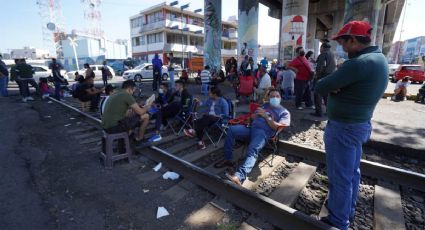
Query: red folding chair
point(246, 86)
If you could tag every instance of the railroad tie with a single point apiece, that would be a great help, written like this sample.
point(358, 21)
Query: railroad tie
point(181, 146)
point(206, 217)
point(262, 171)
point(388, 210)
point(288, 191)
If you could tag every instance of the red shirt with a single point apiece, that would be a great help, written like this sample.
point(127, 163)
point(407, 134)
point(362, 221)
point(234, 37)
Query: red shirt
point(303, 67)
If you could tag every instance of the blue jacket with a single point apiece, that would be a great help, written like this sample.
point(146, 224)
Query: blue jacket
point(221, 107)
point(157, 63)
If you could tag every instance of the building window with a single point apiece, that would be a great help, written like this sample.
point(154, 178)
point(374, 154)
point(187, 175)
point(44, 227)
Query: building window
point(154, 38)
point(135, 41)
point(143, 39)
point(137, 22)
point(196, 41)
point(173, 38)
point(155, 17)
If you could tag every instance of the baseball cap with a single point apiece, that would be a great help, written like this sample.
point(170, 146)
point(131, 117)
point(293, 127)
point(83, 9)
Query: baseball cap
point(355, 28)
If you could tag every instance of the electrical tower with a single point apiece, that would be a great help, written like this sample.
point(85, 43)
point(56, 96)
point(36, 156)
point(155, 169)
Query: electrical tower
point(52, 20)
point(94, 17)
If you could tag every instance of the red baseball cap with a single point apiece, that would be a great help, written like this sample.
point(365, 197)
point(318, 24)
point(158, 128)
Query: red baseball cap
point(355, 28)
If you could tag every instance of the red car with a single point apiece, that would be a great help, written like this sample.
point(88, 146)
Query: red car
point(415, 72)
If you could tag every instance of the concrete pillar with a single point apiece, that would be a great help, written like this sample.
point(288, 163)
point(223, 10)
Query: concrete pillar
point(311, 33)
point(293, 27)
point(212, 39)
point(380, 28)
point(247, 29)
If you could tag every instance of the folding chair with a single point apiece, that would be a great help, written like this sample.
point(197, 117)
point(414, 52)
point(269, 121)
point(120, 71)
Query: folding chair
point(272, 144)
point(184, 116)
point(222, 124)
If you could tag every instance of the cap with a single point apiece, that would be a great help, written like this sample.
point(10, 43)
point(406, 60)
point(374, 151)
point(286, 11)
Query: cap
point(355, 28)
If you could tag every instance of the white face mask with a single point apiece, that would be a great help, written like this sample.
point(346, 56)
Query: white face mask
point(274, 101)
point(161, 91)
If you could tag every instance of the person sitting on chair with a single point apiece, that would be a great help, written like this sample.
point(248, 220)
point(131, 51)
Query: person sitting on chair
point(179, 101)
point(217, 108)
point(265, 122)
point(117, 119)
point(156, 111)
point(88, 93)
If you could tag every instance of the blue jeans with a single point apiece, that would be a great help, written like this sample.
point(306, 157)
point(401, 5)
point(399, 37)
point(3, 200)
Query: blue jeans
point(172, 82)
point(343, 145)
point(4, 81)
point(204, 89)
point(257, 139)
point(58, 88)
point(287, 93)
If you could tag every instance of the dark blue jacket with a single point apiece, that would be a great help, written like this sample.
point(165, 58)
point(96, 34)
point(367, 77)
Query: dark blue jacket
point(221, 106)
point(157, 63)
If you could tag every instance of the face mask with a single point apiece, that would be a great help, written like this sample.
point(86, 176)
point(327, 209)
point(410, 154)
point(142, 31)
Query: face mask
point(274, 101)
point(161, 91)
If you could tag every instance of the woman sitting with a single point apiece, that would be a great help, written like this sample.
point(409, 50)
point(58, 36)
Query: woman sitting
point(217, 107)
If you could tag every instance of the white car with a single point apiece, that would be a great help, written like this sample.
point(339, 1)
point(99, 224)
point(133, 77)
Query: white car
point(392, 68)
point(145, 71)
point(44, 71)
point(97, 69)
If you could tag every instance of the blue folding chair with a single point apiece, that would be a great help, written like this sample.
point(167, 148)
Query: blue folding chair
point(184, 116)
point(221, 125)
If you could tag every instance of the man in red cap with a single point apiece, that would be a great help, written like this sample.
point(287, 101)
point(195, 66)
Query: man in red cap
point(354, 90)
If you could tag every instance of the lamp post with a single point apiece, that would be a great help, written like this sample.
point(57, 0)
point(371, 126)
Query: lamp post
point(72, 42)
point(181, 10)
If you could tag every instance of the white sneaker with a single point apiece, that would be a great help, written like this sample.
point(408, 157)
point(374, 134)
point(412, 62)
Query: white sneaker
point(29, 98)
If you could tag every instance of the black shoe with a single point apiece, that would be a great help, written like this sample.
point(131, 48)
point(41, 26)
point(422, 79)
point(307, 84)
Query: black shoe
point(326, 221)
point(316, 114)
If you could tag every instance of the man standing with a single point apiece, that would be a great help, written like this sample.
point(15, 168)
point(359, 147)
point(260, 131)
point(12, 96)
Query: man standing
point(25, 76)
point(57, 78)
point(265, 83)
point(105, 74)
point(4, 78)
point(302, 87)
point(171, 71)
point(264, 63)
point(354, 90)
point(157, 68)
point(325, 65)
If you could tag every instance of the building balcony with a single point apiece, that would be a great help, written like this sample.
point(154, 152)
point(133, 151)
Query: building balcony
point(152, 26)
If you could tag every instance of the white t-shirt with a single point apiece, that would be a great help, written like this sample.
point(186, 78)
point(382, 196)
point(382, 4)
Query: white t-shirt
point(288, 77)
point(212, 111)
point(400, 84)
point(265, 82)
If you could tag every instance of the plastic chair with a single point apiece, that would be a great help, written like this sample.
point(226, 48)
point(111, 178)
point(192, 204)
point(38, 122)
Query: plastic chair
point(222, 124)
point(184, 116)
point(108, 155)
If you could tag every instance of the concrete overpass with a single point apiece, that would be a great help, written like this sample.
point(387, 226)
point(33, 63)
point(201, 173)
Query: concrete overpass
point(302, 23)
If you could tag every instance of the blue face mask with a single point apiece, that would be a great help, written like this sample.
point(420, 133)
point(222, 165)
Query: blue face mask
point(274, 101)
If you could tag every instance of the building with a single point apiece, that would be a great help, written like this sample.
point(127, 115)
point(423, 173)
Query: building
point(413, 50)
point(162, 29)
point(29, 53)
point(91, 49)
point(395, 53)
point(269, 51)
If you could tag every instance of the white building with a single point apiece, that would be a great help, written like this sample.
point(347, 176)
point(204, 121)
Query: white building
point(162, 29)
point(29, 53)
point(92, 47)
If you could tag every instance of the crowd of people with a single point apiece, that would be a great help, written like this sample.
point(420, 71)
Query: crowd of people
point(308, 81)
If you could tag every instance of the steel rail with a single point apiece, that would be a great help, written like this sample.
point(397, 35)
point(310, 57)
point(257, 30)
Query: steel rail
point(368, 168)
point(274, 212)
point(77, 110)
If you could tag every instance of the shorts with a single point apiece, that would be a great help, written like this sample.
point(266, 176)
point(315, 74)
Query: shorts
point(125, 125)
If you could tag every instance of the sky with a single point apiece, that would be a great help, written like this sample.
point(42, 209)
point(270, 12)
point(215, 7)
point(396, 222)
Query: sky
point(22, 24)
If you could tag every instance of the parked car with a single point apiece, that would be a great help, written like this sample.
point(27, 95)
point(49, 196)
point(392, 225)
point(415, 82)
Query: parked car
point(97, 69)
point(44, 71)
point(392, 68)
point(415, 72)
point(145, 71)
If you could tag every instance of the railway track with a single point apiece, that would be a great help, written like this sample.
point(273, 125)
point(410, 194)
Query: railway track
point(273, 195)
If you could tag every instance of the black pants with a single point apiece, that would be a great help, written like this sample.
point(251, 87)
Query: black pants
point(94, 100)
point(302, 93)
point(318, 102)
point(170, 111)
point(105, 80)
point(157, 80)
point(204, 122)
point(23, 85)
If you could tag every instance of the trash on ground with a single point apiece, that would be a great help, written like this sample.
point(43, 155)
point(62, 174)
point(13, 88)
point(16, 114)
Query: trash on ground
point(157, 167)
point(170, 175)
point(145, 190)
point(67, 125)
point(161, 212)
